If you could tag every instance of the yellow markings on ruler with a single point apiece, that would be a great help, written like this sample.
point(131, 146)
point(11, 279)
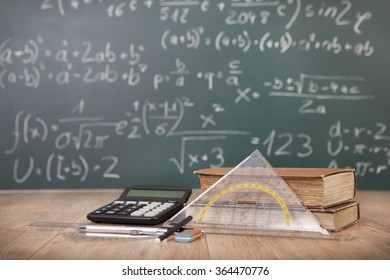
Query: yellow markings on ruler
point(248, 186)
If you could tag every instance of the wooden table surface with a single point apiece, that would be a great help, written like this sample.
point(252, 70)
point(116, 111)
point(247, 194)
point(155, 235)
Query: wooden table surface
point(18, 240)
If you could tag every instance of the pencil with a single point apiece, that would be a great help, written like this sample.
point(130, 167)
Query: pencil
point(173, 229)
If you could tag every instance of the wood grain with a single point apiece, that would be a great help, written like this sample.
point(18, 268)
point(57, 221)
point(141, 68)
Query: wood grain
point(18, 240)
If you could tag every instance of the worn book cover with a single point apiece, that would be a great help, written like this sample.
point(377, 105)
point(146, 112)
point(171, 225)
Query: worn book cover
point(338, 217)
point(316, 187)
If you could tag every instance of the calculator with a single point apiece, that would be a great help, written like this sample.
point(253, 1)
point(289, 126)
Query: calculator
point(143, 205)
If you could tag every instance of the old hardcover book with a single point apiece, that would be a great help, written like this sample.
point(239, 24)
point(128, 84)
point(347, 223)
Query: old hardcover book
point(316, 187)
point(338, 217)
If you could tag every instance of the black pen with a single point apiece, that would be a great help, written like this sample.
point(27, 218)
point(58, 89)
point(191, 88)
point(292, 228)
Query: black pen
point(173, 229)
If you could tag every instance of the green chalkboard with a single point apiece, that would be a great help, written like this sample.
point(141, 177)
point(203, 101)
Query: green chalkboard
point(102, 94)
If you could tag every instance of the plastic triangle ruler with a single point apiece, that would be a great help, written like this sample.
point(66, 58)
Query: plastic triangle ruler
point(251, 199)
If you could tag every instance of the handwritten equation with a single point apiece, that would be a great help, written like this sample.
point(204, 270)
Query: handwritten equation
point(67, 142)
point(243, 41)
point(236, 12)
point(68, 139)
point(360, 146)
point(101, 66)
point(27, 62)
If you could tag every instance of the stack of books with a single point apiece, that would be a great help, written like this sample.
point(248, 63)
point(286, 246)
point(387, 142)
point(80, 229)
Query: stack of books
point(327, 192)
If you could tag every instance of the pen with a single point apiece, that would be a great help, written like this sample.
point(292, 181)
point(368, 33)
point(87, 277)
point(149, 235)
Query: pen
point(78, 234)
point(121, 229)
point(136, 230)
point(171, 230)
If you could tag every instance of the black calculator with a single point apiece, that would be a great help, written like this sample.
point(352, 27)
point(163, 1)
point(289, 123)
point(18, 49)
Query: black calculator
point(143, 205)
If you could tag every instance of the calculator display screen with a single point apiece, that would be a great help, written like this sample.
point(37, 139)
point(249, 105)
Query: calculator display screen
point(155, 193)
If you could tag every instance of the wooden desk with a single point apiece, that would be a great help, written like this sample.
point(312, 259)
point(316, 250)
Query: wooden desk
point(20, 241)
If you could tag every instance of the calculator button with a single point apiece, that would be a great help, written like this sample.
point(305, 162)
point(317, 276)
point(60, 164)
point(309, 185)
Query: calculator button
point(151, 214)
point(155, 203)
point(101, 210)
point(123, 213)
point(137, 213)
point(169, 203)
point(110, 212)
point(165, 205)
point(98, 212)
point(143, 202)
point(131, 202)
point(132, 208)
point(160, 209)
point(118, 202)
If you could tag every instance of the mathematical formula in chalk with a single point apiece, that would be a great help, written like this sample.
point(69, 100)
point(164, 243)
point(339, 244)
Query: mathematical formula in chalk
point(129, 91)
point(78, 135)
